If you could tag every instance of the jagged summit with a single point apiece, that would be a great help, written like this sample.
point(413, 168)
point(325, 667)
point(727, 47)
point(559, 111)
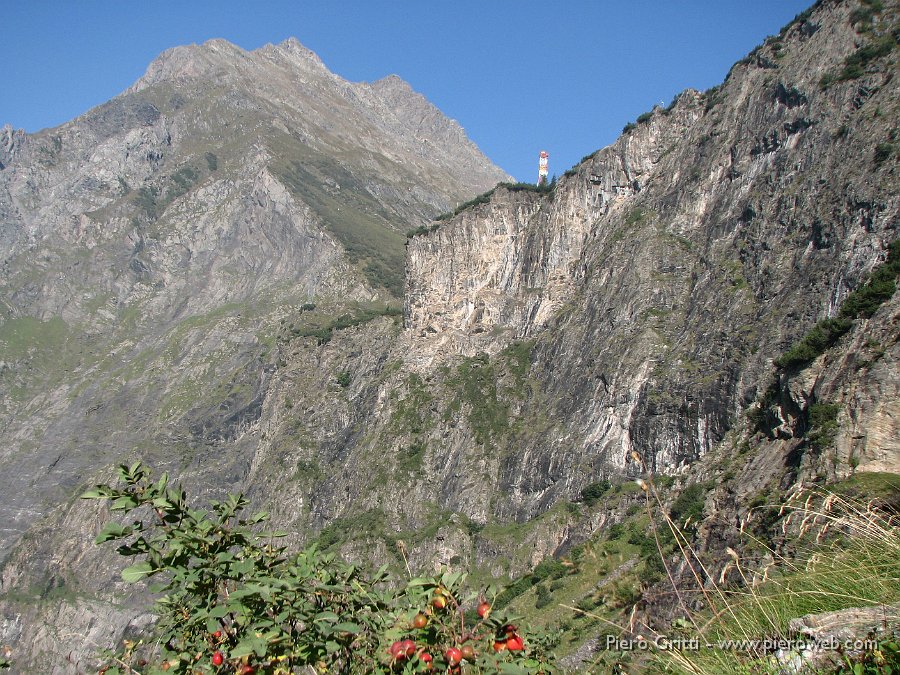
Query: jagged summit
point(293, 47)
point(187, 61)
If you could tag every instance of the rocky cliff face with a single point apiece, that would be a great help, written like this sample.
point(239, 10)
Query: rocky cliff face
point(666, 270)
point(240, 335)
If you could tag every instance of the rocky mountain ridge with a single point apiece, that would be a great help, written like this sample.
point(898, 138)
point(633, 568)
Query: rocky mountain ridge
point(636, 308)
point(189, 195)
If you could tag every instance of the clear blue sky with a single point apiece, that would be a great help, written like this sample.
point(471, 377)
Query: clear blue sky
point(519, 75)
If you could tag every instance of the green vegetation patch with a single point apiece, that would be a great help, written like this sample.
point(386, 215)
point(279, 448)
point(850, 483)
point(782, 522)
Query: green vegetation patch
point(593, 492)
point(635, 216)
point(322, 325)
point(475, 381)
point(871, 485)
point(152, 200)
point(341, 530)
point(518, 357)
point(883, 152)
point(820, 337)
point(358, 220)
point(861, 303)
point(20, 336)
point(855, 64)
point(412, 456)
point(550, 568)
point(823, 425)
point(412, 415)
point(485, 198)
point(713, 97)
point(799, 18)
point(479, 386)
point(880, 287)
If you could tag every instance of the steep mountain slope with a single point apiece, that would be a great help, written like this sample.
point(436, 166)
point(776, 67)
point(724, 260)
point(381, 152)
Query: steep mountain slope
point(150, 248)
point(149, 244)
point(636, 308)
point(674, 265)
point(639, 306)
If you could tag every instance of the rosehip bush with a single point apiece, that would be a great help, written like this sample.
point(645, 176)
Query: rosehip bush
point(233, 602)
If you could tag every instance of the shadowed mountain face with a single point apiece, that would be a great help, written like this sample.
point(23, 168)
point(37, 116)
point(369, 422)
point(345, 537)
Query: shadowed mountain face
point(205, 274)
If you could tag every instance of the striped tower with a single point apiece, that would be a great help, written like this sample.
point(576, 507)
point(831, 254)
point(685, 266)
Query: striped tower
point(543, 167)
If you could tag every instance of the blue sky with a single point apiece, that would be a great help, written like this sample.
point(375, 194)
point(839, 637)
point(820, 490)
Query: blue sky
point(519, 75)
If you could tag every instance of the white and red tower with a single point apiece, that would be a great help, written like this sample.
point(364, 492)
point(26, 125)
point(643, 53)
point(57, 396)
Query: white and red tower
point(543, 167)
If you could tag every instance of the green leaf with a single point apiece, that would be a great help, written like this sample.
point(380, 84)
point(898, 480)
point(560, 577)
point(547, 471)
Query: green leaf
point(347, 627)
point(327, 616)
point(112, 531)
point(218, 611)
point(124, 503)
point(331, 646)
point(249, 646)
point(243, 567)
point(123, 471)
point(513, 669)
point(137, 572)
point(99, 492)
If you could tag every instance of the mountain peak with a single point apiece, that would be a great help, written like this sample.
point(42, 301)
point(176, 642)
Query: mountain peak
point(294, 50)
point(392, 81)
point(186, 62)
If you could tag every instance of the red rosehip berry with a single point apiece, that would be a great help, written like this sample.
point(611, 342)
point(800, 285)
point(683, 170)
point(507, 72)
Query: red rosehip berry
point(398, 651)
point(484, 609)
point(420, 620)
point(515, 644)
point(453, 656)
point(218, 659)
